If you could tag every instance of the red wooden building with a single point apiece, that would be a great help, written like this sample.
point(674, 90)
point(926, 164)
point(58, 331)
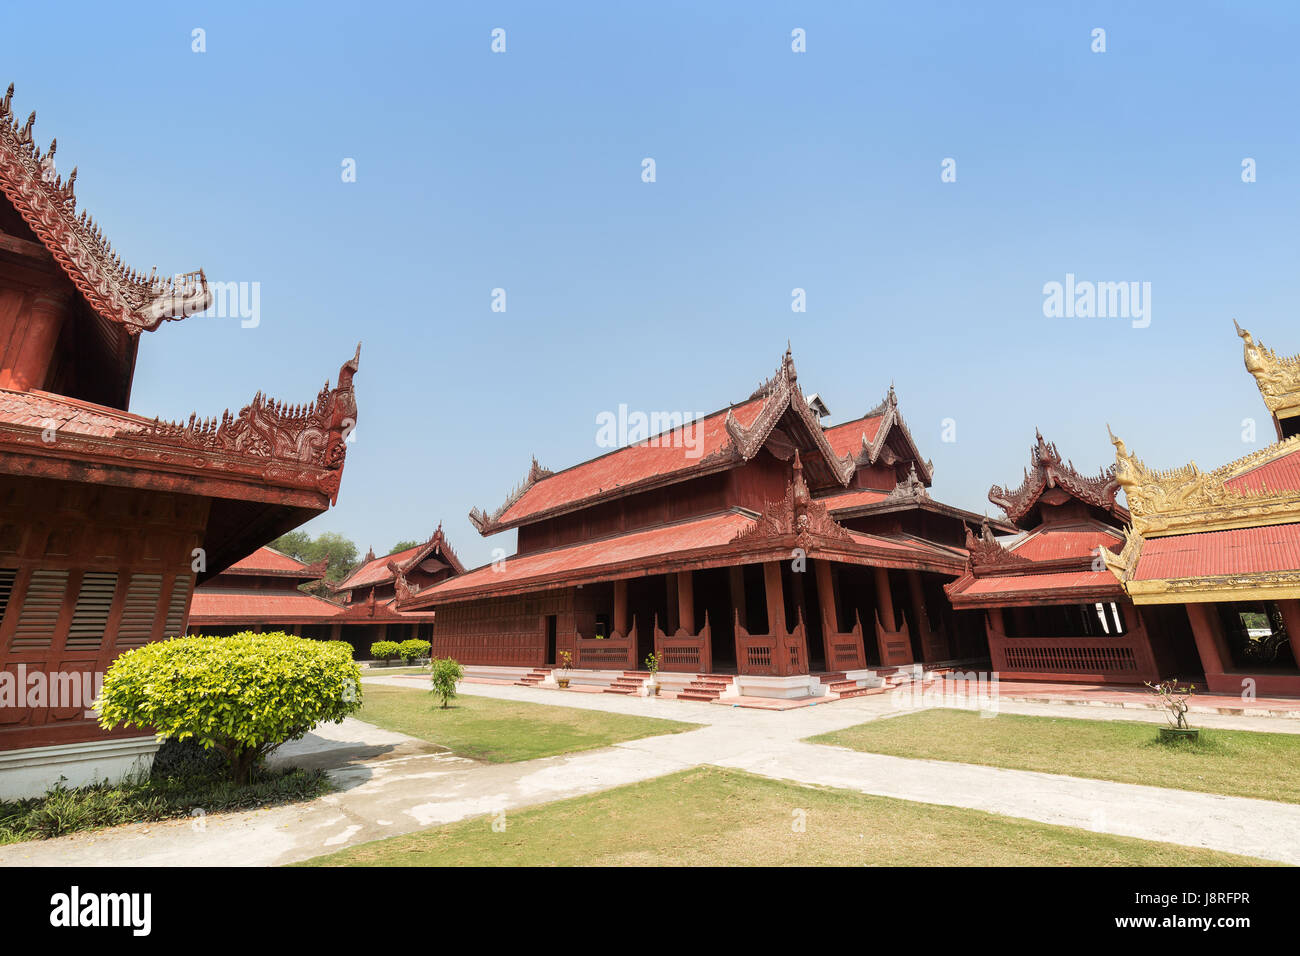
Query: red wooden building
point(108, 519)
point(759, 543)
point(1217, 553)
point(1052, 611)
point(263, 593)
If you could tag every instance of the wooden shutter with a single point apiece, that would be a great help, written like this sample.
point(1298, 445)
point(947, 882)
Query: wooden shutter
point(177, 606)
point(40, 610)
point(139, 610)
point(90, 618)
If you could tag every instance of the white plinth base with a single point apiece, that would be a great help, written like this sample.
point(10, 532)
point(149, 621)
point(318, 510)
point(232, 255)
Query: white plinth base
point(34, 770)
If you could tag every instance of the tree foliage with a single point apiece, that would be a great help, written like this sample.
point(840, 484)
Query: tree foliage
point(242, 695)
point(446, 672)
point(403, 545)
point(342, 552)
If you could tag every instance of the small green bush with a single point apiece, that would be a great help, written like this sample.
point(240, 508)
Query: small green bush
point(412, 649)
point(446, 672)
point(242, 695)
point(385, 650)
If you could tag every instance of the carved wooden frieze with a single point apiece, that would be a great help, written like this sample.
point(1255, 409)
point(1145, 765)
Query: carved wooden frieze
point(48, 205)
point(1047, 471)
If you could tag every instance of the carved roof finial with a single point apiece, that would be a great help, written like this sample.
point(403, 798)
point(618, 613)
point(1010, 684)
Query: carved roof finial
point(370, 553)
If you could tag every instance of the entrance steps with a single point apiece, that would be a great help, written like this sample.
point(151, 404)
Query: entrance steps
point(534, 677)
point(706, 687)
point(628, 684)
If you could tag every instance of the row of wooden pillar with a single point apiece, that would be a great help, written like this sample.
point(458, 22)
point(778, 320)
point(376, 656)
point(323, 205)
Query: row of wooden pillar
point(681, 599)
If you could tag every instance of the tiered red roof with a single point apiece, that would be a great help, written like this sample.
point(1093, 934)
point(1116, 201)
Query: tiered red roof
point(1270, 548)
point(1058, 559)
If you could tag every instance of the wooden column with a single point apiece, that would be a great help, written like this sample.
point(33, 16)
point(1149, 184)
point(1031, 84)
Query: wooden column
point(1210, 645)
point(686, 601)
point(885, 600)
point(621, 622)
point(670, 626)
point(736, 579)
point(775, 598)
point(933, 648)
point(826, 598)
point(1291, 621)
point(34, 338)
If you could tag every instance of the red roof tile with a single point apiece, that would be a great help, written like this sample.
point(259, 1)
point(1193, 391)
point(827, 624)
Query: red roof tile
point(856, 498)
point(1209, 553)
point(1282, 474)
point(573, 560)
point(846, 439)
point(212, 607)
point(42, 410)
point(1050, 543)
point(660, 457)
point(270, 560)
point(376, 570)
point(1062, 581)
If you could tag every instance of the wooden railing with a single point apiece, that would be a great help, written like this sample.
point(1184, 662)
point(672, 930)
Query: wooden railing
point(683, 651)
point(844, 651)
point(772, 655)
point(895, 646)
point(1124, 659)
point(616, 652)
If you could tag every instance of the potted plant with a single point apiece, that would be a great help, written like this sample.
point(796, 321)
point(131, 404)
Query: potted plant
point(652, 665)
point(562, 671)
point(1173, 698)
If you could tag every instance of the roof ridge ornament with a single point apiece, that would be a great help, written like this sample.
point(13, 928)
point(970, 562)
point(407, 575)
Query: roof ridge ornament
point(1187, 499)
point(296, 436)
point(1047, 470)
point(1278, 378)
point(48, 205)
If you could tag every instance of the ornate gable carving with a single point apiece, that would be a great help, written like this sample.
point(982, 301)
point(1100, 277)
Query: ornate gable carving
point(877, 449)
point(1187, 499)
point(1047, 470)
point(48, 205)
point(798, 514)
point(987, 555)
point(289, 437)
point(1278, 378)
point(781, 393)
point(485, 523)
point(437, 542)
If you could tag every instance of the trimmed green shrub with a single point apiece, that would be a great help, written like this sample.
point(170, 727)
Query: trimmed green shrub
point(242, 695)
point(446, 673)
point(385, 650)
point(414, 648)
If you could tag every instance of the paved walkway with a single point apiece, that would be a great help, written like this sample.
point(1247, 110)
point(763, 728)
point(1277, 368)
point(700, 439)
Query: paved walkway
point(392, 784)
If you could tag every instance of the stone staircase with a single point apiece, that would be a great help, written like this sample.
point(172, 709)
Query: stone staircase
point(534, 677)
point(706, 687)
point(628, 684)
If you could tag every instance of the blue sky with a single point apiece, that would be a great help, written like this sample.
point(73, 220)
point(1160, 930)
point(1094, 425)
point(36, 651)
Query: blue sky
point(775, 170)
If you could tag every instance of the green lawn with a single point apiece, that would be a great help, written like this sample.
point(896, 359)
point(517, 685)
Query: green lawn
point(708, 816)
point(1234, 762)
point(503, 731)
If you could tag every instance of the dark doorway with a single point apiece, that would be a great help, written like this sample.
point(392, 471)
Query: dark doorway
point(550, 639)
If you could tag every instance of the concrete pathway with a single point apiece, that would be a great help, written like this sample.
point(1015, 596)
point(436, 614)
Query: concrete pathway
point(392, 784)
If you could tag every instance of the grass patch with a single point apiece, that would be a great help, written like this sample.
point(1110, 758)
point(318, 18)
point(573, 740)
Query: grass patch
point(141, 800)
point(1237, 763)
point(504, 731)
point(709, 816)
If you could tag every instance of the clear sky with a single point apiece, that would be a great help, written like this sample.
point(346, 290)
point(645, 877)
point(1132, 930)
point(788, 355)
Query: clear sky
point(774, 170)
